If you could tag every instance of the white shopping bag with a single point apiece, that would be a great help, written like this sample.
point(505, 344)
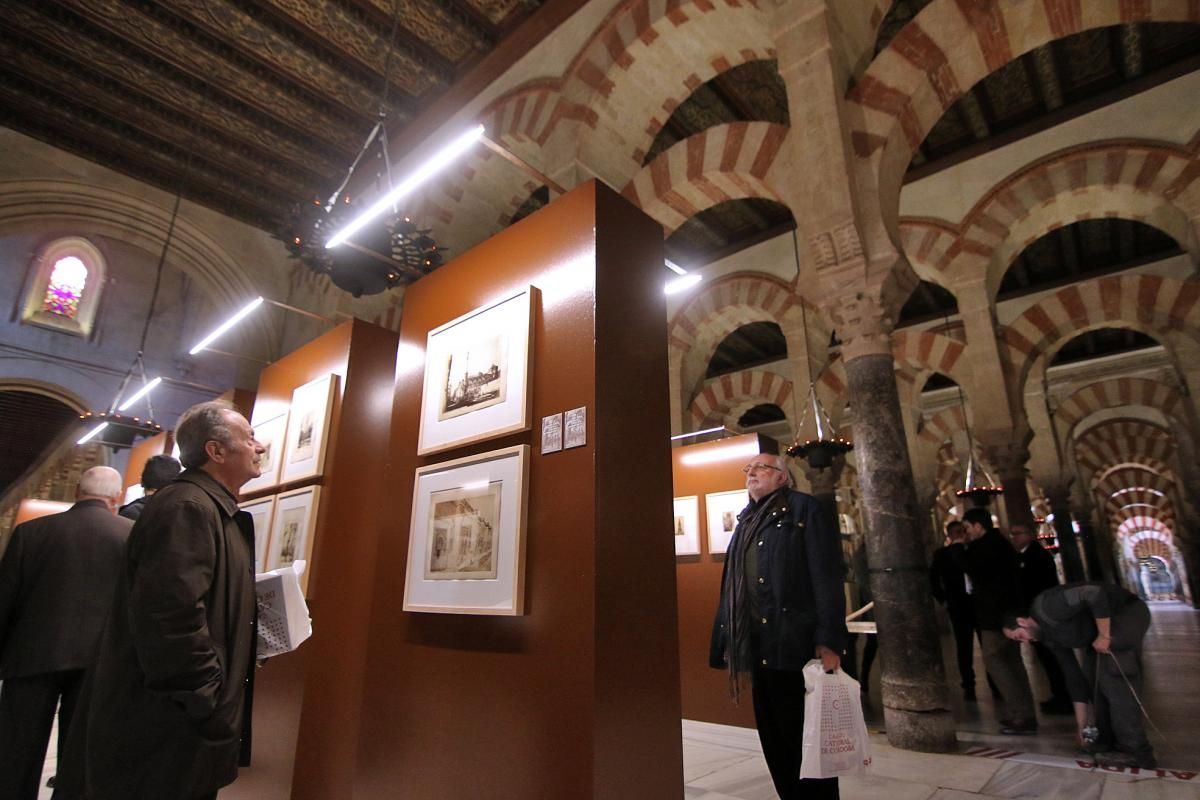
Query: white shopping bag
point(283, 621)
point(835, 734)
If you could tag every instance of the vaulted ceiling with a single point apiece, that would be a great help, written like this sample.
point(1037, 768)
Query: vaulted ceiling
point(246, 106)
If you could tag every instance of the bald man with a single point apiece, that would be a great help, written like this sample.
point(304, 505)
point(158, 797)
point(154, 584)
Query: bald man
point(57, 579)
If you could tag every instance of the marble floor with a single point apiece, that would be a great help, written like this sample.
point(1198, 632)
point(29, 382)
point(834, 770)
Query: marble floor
point(724, 763)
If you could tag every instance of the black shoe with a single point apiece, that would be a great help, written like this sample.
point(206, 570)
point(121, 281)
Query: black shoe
point(1019, 728)
point(1057, 706)
point(50, 782)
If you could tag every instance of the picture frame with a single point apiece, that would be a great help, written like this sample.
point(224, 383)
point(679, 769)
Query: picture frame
point(262, 512)
point(271, 434)
point(478, 372)
point(308, 430)
point(687, 526)
point(293, 529)
point(466, 548)
point(721, 510)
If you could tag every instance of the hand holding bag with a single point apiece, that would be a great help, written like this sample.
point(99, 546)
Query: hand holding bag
point(835, 734)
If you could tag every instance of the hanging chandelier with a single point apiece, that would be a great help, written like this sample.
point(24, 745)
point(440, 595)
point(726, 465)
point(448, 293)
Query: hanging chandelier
point(979, 486)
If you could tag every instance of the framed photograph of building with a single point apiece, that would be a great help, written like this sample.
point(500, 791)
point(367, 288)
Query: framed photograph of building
point(477, 374)
point(687, 526)
point(262, 512)
point(722, 509)
point(292, 529)
point(466, 549)
point(270, 434)
point(308, 430)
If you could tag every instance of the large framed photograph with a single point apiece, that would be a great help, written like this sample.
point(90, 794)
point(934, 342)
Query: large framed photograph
point(477, 374)
point(308, 430)
point(262, 512)
point(293, 529)
point(687, 526)
point(722, 509)
point(466, 548)
point(271, 435)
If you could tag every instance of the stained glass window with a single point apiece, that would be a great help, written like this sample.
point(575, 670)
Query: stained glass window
point(65, 290)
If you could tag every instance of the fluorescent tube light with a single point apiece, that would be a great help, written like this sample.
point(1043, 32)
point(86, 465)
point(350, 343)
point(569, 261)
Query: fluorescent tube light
point(145, 390)
point(671, 265)
point(434, 165)
point(728, 452)
point(226, 325)
point(698, 433)
point(90, 434)
point(681, 284)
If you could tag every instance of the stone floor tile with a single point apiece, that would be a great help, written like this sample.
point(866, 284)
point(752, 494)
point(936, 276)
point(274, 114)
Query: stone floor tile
point(950, 771)
point(1150, 789)
point(1015, 780)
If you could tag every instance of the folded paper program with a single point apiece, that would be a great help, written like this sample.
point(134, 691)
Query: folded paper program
point(283, 622)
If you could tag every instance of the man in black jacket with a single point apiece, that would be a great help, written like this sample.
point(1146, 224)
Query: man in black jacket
point(1108, 625)
point(781, 605)
point(948, 582)
point(56, 585)
point(1037, 574)
point(157, 473)
point(993, 569)
point(165, 712)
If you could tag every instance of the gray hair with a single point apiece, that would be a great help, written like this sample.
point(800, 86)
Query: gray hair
point(199, 425)
point(101, 482)
point(782, 463)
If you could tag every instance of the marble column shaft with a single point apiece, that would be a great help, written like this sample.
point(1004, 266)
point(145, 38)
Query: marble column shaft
point(1068, 546)
point(915, 698)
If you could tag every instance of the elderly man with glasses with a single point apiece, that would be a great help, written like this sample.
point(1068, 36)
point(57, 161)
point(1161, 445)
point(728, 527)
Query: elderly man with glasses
point(781, 605)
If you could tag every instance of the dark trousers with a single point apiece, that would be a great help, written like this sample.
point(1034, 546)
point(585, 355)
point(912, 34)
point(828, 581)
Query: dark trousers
point(779, 716)
point(1054, 673)
point(963, 626)
point(26, 719)
point(1121, 676)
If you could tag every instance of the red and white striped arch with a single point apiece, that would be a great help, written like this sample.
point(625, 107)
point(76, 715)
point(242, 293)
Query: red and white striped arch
point(723, 400)
point(1117, 393)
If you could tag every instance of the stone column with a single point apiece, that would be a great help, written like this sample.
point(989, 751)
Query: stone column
point(1009, 459)
point(1068, 546)
point(1097, 545)
point(823, 483)
point(915, 701)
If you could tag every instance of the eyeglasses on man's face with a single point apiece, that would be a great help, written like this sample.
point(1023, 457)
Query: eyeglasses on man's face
point(749, 468)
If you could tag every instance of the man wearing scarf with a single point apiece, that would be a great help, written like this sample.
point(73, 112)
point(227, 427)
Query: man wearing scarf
point(781, 606)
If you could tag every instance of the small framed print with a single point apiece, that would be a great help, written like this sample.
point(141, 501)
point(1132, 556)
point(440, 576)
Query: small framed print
point(262, 512)
point(575, 428)
point(271, 434)
point(466, 548)
point(552, 433)
point(722, 509)
point(687, 526)
point(308, 430)
point(477, 375)
point(292, 529)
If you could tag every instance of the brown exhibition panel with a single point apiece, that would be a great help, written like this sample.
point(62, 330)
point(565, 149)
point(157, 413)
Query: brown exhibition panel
point(705, 691)
point(30, 508)
point(305, 702)
point(141, 452)
point(579, 696)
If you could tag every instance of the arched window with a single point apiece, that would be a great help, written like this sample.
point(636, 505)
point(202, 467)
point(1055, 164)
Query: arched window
point(66, 286)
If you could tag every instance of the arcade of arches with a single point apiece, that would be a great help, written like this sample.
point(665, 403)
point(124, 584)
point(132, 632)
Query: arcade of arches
point(956, 264)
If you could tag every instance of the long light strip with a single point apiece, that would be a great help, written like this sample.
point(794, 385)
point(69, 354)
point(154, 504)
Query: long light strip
point(436, 163)
point(697, 433)
point(90, 434)
point(728, 452)
point(671, 265)
point(226, 325)
point(145, 390)
point(684, 283)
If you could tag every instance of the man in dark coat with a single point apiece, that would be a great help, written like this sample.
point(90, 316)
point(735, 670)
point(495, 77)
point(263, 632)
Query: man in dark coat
point(1037, 574)
point(157, 473)
point(993, 569)
point(948, 582)
point(781, 605)
point(56, 584)
point(162, 715)
point(1107, 624)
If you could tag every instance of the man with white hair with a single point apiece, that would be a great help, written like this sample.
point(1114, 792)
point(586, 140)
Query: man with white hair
point(57, 579)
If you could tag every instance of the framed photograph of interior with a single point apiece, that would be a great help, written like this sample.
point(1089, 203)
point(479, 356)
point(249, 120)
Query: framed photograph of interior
point(308, 429)
point(292, 529)
point(261, 511)
point(722, 509)
point(477, 374)
point(466, 549)
point(270, 434)
point(687, 526)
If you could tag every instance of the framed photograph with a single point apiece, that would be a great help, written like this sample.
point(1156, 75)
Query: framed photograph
point(466, 548)
point(271, 435)
point(687, 526)
point(308, 430)
point(262, 512)
point(292, 529)
point(722, 510)
point(477, 374)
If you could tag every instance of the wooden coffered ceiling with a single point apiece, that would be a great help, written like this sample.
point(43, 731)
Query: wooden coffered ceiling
point(246, 106)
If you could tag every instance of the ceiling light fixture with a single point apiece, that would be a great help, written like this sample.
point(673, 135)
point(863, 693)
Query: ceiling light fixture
point(226, 325)
point(145, 390)
point(681, 284)
point(671, 265)
point(87, 437)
